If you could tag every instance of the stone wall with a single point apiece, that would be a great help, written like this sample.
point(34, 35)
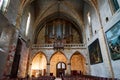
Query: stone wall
point(63, 55)
point(112, 20)
point(8, 40)
point(9, 34)
point(12, 11)
point(101, 69)
point(41, 36)
point(108, 68)
point(23, 64)
point(114, 63)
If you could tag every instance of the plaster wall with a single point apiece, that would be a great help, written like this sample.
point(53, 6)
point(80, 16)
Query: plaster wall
point(101, 69)
point(94, 22)
point(115, 63)
point(105, 11)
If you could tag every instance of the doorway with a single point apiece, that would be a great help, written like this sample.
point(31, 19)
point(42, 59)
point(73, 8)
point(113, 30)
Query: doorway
point(56, 58)
point(39, 65)
point(60, 67)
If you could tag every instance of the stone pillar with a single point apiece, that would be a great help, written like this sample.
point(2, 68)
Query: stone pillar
point(68, 69)
point(106, 54)
point(30, 69)
point(48, 69)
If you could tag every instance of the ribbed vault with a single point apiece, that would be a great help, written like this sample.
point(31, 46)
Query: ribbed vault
point(46, 10)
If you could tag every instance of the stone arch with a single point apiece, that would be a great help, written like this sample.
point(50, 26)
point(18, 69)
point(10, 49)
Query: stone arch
point(38, 53)
point(55, 59)
point(53, 16)
point(38, 64)
point(78, 63)
point(57, 52)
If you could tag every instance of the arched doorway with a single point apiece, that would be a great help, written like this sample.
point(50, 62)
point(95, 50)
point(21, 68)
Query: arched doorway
point(78, 65)
point(39, 63)
point(60, 69)
point(57, 59)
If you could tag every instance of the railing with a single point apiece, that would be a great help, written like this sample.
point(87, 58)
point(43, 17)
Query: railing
point(38, 46)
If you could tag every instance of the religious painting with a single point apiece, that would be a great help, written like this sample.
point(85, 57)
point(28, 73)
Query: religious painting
point(113, 39)
point(95, 53)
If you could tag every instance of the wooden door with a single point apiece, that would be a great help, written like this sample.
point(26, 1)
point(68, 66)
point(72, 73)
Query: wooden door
point(60, 69)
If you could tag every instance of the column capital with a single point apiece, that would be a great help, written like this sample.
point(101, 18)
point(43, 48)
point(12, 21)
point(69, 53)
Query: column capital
point(68, 63)
point(48, 63)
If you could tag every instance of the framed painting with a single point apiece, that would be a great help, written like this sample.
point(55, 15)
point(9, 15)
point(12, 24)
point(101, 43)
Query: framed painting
point(113, 39)
point(95, 53)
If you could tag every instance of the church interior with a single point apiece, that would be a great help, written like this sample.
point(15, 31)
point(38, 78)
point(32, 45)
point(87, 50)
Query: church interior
point(59, 39)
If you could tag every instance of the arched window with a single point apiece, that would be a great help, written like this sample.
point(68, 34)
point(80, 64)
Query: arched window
point(28, 24)
point(89, 24)
point(61, 65)
point(1, 2)
point(3, 5)
point(115, 5)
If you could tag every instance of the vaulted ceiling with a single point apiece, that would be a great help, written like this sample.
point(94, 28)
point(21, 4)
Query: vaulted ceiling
point(71, 9)
point(46, 10)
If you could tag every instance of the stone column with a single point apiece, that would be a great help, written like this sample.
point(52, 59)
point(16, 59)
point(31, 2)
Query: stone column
point(68, 69)
point(106, 58)
point(30, 69)
point(48, 69)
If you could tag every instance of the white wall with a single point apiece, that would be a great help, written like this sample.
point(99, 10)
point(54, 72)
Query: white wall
point(103, 69)
point(115, 63)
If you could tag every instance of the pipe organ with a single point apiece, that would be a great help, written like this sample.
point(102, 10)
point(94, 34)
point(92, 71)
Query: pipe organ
point(58, 30)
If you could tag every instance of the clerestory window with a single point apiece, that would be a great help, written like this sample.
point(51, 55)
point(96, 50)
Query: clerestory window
point(115, 5)
point(28, 24)
point(89, 24)
point(3, 5)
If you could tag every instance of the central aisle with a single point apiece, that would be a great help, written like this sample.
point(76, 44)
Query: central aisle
point(58, 79)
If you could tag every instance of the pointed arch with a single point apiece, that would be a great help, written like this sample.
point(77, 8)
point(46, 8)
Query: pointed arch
point(39, 52)
point(78, 63)
point(75, 53)
point(62, 15)
point(58, 52)
point(57, 57)
point(39, 64)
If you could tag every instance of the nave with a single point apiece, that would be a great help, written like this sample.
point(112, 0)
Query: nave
point(66, 39)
